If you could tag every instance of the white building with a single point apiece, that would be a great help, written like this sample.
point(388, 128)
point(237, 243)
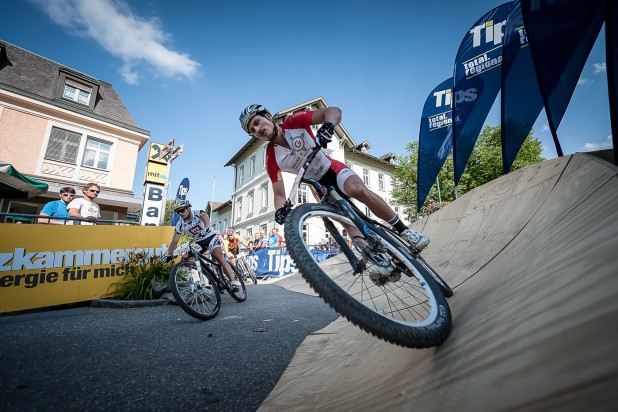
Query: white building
point(253, 199)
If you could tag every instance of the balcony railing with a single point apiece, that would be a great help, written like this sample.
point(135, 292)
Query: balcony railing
point(6, 217)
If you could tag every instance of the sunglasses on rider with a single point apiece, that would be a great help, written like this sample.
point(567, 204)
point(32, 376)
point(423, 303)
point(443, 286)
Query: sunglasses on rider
point(94, 191)
point(181, 210)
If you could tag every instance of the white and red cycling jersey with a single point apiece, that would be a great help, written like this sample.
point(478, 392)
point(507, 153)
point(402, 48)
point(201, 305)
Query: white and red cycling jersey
point(297, 132)
point(195, 227)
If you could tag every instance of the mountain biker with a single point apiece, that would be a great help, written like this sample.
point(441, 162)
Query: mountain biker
point(291, 142)
point(231, 244)
point(197, 225)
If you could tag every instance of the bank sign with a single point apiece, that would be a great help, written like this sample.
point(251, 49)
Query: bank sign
point(153, 207)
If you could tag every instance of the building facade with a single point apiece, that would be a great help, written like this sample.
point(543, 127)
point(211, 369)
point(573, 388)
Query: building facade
point(66, 128)
point(252, 207)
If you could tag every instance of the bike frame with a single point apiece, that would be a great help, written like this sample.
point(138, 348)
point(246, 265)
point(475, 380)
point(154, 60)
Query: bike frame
point(329, 196)
point(201, 262)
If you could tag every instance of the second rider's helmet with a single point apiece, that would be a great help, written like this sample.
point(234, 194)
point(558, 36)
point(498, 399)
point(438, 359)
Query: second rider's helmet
point(229, 231)
point(248, 113)
point(181, 204)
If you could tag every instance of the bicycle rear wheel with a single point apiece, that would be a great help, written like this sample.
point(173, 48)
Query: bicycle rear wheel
point(200, 300)
point(390, 298)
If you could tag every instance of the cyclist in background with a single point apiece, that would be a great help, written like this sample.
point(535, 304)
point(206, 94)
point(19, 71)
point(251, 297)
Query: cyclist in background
point(197, 225)
point(291, 142)
point(231, 244)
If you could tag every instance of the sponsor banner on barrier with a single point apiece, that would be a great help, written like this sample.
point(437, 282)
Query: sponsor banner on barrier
point(45, 265)
point(272, 261)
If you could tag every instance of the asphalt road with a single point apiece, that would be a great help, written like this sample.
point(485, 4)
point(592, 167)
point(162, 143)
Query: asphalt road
point(154, 358)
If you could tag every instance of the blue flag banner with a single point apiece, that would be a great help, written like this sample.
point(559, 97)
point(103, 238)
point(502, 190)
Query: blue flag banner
point(611, 51)
point(521, 97)
point(477, 81)
point(561, 35)
point(435, 138)
point(181, 193)
point(271, 261)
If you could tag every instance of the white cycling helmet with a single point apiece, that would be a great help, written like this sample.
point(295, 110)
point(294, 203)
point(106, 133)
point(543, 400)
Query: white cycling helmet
point(181, 204)
point(248, 113)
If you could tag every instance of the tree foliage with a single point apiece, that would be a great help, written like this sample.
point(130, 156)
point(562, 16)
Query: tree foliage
point(484, 165)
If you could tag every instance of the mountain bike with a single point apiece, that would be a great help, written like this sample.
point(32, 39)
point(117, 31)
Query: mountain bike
point(380, 283)
point(245, 268)
point(197, 283)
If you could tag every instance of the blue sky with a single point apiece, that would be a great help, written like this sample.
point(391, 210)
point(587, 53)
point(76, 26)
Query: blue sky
point(185, 69)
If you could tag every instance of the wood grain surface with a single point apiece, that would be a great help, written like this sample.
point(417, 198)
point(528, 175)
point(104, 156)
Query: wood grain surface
point(533, 257)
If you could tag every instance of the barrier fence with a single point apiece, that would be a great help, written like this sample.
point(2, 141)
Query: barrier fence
point(276, 262)
point(67, 221)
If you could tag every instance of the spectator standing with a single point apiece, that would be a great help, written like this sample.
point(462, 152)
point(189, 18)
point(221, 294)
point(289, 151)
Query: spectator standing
point(58, 208)
point(262, 241)
point(274, 239)
point(85, 207)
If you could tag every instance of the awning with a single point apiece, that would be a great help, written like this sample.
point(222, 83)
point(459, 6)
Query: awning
point(15, 185)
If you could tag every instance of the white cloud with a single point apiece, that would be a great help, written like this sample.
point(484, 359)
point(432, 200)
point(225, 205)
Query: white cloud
point(131, 38)
point(607, 144)
point(545, 127)
point(583, 81)
point(599, 67)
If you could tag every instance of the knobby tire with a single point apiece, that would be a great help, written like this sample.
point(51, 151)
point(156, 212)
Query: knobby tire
point(200, 301)
point(393, 299)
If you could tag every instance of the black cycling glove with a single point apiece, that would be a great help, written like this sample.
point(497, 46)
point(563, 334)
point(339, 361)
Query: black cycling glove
point(282, 212)
point(325, 134)
point(165, 259)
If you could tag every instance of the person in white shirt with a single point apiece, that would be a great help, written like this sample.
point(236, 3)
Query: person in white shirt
point(85, 207)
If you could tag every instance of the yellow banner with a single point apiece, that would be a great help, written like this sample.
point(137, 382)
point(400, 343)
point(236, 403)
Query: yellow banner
point(46, 265)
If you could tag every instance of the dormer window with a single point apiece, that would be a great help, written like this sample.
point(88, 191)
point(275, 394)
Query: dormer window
point(77, 92)
point(76, 88)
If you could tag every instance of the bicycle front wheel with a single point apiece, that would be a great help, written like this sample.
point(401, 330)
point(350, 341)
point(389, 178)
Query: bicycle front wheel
point(199, 298)
point(389, 297)
point(246, 267)
point(239, 295)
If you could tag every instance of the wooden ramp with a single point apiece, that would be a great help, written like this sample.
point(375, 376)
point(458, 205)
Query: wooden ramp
point(533, 257)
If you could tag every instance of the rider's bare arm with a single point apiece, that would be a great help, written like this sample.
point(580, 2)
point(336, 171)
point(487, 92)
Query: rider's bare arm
point(279, 190)
point(206, 219)
point(329, 114)
point(173, 244)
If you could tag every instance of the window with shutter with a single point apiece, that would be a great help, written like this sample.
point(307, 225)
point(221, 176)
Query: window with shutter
point(63, 146)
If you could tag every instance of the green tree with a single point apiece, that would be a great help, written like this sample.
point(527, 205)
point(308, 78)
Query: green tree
point(484, 165)
point(169, 205)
